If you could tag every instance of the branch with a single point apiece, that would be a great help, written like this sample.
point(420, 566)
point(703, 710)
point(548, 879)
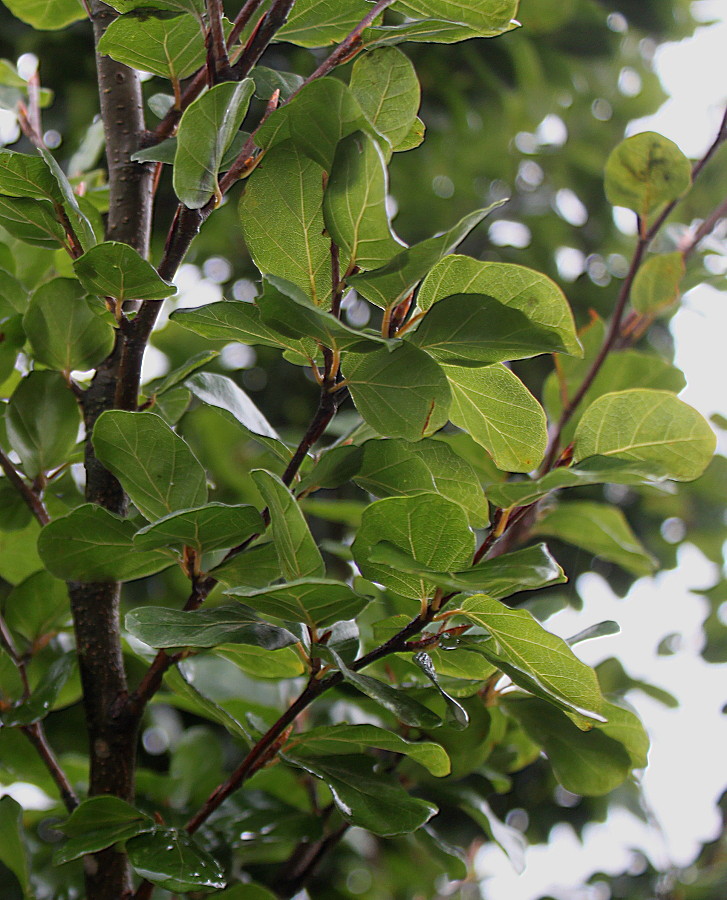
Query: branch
point(704, 229)
point(646, 236)
point(242, 18)
point(259, 40)
point(35, 732)
point(218, 62)
point(349, 46)
point(31, 499)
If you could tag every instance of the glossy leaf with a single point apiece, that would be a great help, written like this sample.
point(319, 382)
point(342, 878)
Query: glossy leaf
point(656, 285)
point(401, 394)
point(399, 468)
point(169, 47)
point(179, 6)
point(297, 551)
point(343, 740)
point(223, 394)
point(282, 221)
point(386, 86)
point(32, 221)
point(100, 822)
point(522, 570)
point(393, 282)
point(162, 627)
point(116, 270)
point(258, 566)
point(195, 702)
point(206, 130)
point(333, 468)
point(477, 330)
point(537, 660)
point(171, 859)
point(354, 203)
point(511, 841)
point(155, 466)
point(317, 23)
point(430, 30)
point(530, 292)
point(600, 529)
point(13, 854)
point(314, 121)
point(456, 717)
point(93, 544)
point(44, 695)
point(233, 320)
point(42, 422)
point(64, 331)
point(38, 606)
point(434, 531)
point(477, 16)
point(317, 602)
point(168, 382)
point(14, 512)
point(645, 171)
point(47, 15)
point(369, 799)
point(589, 763)
point(22, 175)
point(209, 527)
point(496, 409)
point(399, 703)
point(653, 427)
point(285, 308)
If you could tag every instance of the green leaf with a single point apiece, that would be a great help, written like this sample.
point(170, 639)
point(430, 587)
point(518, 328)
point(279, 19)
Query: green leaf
point(535, 295)
point(656, 285)
point(437, 31)
point(524, 570)
point(317, 602)
point(434, 531)
point(600, 529)
point(595, 470)
point(589, 763)
point(13, 854)
point(168, 382)
point(161, 627)
point(398, 468)
point(18, 554)
point(511, 841)
point(654, 427)
point(211, 527)
point(15, 514)
point(22, 175)
point(195, 702)
point(42, 421)
point(496, 409)
point(414, 137)
point(620, 371)
point(171, 47)
point(318, 23)
point(537, 660)
point(297, 551)
point(64, 331)
point(282, 221)
point(393, 282)
point(476, 330)
point(286, 308)
point(47, 15)
point(44, 695)
point(400, 394)
point(257, 566)
point(369, 799)
point(155, 466)
point(335, 466)
point(354, 203)
point(478, 16)
point(315, 120)
point(190, 6)
point(112, 269)
point(457, 717)
point(206, 130)
point(32, 221)
point(170, 858)
point(645, 171)
point(233, 320)
point(386, 86)
point(600, 629)
point(72, 205)
point(343, 740)
point(267, 81)
point(97, 823)
point(223, 394)
point(38, 606)
point(247, 891)
point(93, 544)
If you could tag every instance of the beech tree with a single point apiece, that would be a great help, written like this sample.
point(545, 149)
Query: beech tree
point(251, 648)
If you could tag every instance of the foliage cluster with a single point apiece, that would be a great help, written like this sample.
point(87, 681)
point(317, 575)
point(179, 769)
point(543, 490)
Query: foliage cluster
point(329, 618)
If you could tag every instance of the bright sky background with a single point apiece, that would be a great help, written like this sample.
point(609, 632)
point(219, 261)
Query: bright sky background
point(681, 794)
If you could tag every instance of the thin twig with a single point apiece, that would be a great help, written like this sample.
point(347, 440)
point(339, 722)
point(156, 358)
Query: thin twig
point(36, 735)
point(705, 228)
point(218, 62)
point(241, 20)
point(261, 37)
point(32, 500)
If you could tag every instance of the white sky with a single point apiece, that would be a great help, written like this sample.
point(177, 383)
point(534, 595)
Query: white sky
point(686, 772)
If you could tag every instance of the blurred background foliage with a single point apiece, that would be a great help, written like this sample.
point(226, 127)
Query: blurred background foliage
point(531, 117)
